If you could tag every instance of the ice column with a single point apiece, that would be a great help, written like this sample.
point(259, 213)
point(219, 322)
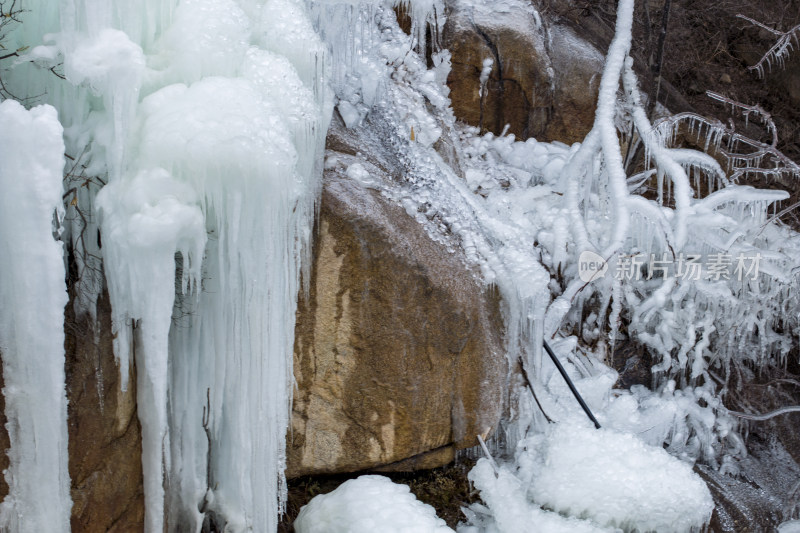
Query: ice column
point(32, 299)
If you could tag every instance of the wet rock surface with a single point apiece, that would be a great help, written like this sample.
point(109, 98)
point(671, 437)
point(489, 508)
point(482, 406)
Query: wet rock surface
point(543, 79)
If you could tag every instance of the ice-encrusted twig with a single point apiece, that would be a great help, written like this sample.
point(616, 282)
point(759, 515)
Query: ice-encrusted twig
point(766, 416)
point(667, 162)
point(744, 156)
point(746, 110)
point(488, 455)
point(779, 51)
point(601, 139)
point(529, 383)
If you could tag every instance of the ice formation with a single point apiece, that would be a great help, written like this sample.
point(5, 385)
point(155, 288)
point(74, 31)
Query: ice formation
point(610, 480)
point(206, 120)
point(368, 504)
point(615, 479)
point(33, 296)
point(146, 220)
point(567, 200)
point(194, 131)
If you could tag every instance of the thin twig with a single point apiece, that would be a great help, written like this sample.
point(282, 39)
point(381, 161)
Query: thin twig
point(767, 416)
point(533, 392)
point(779, 51)
point(489, 456)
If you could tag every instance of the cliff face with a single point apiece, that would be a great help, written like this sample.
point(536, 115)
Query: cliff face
point(399, 353)
point(105, 447)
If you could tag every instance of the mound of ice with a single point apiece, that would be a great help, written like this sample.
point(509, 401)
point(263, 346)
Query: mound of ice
point(366, 505)
point(617, 480)
point(509, 509)
point(792, 526)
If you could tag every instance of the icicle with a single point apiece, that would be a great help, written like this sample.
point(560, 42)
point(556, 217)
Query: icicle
point(146, 221)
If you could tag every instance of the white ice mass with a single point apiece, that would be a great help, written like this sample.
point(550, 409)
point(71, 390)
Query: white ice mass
point(368, 504)
point(33, 296)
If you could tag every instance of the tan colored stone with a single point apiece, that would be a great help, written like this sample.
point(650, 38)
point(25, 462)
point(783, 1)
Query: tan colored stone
point(542, 87)
point(578, 67)
point(105, 453)
point(519, 89)
point(398, 356)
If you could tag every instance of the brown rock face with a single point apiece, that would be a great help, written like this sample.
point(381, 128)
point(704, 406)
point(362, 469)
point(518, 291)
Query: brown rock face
point(518, 90)
point(578, 66)
point(398, 359)
point(540, 86)
point(105, 451)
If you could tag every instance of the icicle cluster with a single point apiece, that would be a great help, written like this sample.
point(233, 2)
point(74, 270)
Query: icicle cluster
point(206, 119)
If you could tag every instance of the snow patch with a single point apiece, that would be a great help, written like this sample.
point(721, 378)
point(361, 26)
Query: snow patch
point(368, 504)
point(617, 481)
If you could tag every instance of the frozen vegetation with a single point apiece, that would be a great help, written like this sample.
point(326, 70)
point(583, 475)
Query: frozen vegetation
point(201, 124)
point(701, 275)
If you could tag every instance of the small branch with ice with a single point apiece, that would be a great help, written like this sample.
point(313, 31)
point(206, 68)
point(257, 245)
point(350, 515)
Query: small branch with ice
point(488, 455)
point(766, 416)
point(779, 51)
point(744, 156)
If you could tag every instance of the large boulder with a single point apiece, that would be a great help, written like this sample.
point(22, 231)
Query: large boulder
point(544, 77)
point(398, 349)
point(518, 90)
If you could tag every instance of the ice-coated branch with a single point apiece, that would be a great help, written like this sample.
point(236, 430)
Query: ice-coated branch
point(766, 416)
point(666, 162)
point(779, 51)
point(743, 155)
point(746, 110)
point(601, 139)
point(488, 455)
point(604, 123)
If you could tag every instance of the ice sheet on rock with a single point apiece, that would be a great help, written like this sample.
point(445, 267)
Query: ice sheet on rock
point(33, 296)
point(368, 504)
